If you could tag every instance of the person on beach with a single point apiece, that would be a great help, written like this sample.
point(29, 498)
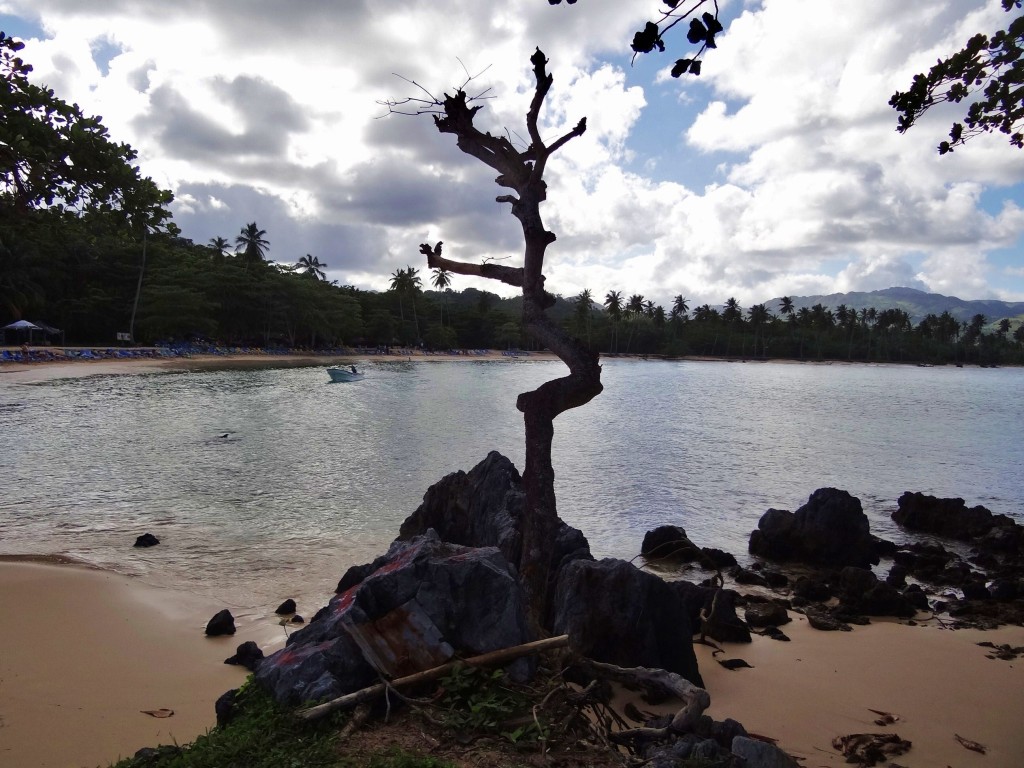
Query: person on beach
point(353, 369)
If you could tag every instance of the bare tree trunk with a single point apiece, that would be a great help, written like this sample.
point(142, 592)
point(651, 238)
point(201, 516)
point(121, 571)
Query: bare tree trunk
point(523, 172)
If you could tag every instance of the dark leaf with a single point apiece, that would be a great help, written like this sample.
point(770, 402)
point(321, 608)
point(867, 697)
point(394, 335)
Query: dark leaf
point(697, 32)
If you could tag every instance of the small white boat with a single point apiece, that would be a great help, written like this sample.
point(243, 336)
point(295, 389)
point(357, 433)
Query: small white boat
point(345, 374)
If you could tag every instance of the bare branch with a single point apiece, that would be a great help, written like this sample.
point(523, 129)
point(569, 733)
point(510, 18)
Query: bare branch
point(510, 275)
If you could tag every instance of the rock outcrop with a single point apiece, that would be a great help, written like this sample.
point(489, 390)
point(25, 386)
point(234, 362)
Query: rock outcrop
point(416, 607)
point(830, 530)
point(616, 613)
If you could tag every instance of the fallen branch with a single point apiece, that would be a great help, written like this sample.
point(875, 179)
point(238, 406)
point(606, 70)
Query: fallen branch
point(493, 658)
point(657, 683)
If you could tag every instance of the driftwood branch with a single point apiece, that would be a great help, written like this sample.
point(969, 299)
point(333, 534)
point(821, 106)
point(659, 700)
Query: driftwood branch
point(657, 683)
point(511, 275)
point(484, 660)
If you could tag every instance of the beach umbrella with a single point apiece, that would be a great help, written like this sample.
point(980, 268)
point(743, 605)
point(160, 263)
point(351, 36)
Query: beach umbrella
point(21, 325)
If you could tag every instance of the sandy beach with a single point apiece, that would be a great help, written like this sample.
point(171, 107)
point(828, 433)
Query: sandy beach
point(88, 651)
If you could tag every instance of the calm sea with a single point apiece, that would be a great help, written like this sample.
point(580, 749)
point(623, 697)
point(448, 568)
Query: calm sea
point(267, 484)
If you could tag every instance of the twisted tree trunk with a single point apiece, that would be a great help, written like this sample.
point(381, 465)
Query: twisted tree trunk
point(523, 172)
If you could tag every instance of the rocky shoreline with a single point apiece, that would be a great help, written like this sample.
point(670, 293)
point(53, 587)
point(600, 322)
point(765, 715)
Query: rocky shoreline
point(445, 589)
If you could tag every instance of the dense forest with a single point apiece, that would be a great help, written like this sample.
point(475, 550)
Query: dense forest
point(81, 276)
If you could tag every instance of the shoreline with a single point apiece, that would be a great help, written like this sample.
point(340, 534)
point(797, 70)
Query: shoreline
point(39, 371)
point(94, 649)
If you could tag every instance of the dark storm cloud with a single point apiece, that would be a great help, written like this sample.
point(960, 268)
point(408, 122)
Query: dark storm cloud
point(343, 246)
point(267, 116)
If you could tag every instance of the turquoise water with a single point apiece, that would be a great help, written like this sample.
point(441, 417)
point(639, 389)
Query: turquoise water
point(266, 484)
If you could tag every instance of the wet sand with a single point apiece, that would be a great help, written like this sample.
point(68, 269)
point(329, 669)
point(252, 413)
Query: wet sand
point(85, 652)
point(821, 685)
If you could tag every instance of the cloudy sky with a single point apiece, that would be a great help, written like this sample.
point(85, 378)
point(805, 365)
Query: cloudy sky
point(777, 172)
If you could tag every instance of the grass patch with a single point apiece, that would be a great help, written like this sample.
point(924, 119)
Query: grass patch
point(264, 734)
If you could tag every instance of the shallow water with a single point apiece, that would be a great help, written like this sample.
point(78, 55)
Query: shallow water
point(266, 484)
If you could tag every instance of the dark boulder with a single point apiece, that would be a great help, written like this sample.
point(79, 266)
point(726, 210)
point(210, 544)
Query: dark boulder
point(716, 559)
point(825, 621)
point(247, 655)
point(861, 592)
point(747, 577)
point(811, 589)
point(1004, 590)
point(975, 589)
point(769, 614)
point(423, 602)
point(723, 623)
point(224, 707)
point(830, 530)
point(616, 613)
point(146, 540)
point(755, 753)
point(222, 623)
point(484, 508)
point(669, 542)
point(285, 608)
point(916, 597)
point(951, 518)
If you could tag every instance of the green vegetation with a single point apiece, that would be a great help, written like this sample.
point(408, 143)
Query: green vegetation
point(267, 735)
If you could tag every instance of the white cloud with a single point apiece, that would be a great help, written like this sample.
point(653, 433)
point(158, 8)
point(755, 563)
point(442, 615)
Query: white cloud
point(258, 110)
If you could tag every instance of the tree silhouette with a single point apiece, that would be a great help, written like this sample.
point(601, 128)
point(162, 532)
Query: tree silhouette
point(252, 244)
point(313, 267)
point(989, 71)
point(522, 172)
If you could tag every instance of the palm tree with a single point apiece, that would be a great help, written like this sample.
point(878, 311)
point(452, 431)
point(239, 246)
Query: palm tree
point(759, 316)
point(312, 265)
point(786, 306)
point(584, 303)
point(442, 280)
point(680, 307)
point(220, 246)
point(635, 309)
point(407, 281)
point(251, 244)
point(613, 303)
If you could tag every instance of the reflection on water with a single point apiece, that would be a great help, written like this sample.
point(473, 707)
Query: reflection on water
point(266, 484)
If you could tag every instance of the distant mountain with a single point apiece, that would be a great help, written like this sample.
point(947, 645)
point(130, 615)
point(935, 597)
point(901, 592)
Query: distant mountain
point(915, 303)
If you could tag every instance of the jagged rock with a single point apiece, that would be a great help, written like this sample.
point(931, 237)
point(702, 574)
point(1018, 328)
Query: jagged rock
point(222, 623)
point(749, 578)
point(825, 621)
point(951, 518)
point(288, 606)
point(897, 576)
point(483, 508)
point(775, 634)
point(616, 613)
point(247, 655)
point(146, 540)
point(422, 602)
point(916, 597)
point(760, 754)
point(1004, 590)
point(766, 615)
point(716, 559)
point(862, 593)
point(830, 530)
point(811, 589)
point(724, 624)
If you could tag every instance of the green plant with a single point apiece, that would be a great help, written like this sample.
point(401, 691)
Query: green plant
point(481, 701)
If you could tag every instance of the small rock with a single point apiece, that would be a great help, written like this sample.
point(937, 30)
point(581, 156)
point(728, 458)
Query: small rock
point(288, 606)
point(760, 754)
point(222, 623)
point(296, 619)
point(247, 655)
point(224, 707)
point(825, 621)
point(146, 540)
point(766, 615)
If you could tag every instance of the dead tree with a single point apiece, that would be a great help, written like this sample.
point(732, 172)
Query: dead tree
point(522, 171)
